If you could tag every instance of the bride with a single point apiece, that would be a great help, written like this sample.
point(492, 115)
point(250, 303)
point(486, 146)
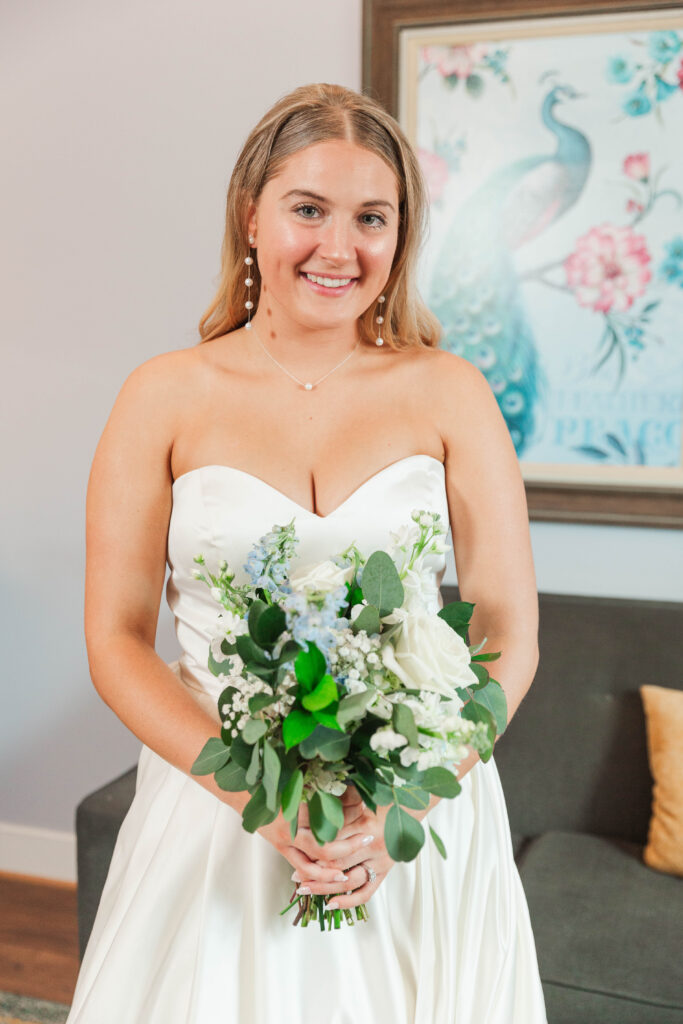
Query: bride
point(318, 390)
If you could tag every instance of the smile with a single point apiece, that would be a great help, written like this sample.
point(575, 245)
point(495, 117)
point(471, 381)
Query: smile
point(329, 285)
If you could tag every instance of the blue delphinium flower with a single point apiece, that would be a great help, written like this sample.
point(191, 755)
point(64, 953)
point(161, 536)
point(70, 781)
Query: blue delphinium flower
point(620, 69)
point(315, 621)
point(675, 248)
point(267, 564)
point(671, 270)
point(663, 46)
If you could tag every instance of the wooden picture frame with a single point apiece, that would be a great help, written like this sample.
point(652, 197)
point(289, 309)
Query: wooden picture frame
point(632, 477)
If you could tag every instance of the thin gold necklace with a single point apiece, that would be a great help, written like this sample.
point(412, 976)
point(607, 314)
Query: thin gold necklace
point(308, 386)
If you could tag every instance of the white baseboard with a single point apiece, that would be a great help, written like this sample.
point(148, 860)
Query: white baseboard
point(41, 852)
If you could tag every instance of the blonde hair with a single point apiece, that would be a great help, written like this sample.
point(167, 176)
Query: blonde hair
point(308, 115)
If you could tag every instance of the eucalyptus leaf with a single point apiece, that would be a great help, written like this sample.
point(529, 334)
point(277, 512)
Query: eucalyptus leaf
point(240, 752)
point(382, 585)
point(328, 744)
point(403, 835)
point(260, 701)
point(368, 620)
point(333, 808)
point(440, 782)
point(353, 706)
point(254, 729)
point(412, 796)
point(254, 769)
point(296, 727)
point(438, 843)
point(250, 651)
point(219, 668)
point(322, 828)
point(256, 610)
point(290, 649)
point(480, 672)
point(493, 697)
point(231, 778)
point(227, 647)
point(291, 795)
point(475, 712)
point(257, 813)
point(404, 723)
point(271, 775)
point(213, 755)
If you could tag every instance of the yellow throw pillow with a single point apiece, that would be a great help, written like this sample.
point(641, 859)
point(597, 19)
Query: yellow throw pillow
point(664, 718)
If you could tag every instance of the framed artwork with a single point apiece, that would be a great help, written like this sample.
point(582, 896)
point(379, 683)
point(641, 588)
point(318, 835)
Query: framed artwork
point(551, 139)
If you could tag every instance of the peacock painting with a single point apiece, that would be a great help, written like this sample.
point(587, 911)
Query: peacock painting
point(475, 287)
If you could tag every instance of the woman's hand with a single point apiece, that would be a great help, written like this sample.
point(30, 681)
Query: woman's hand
point(359, 845)
point(303, 852)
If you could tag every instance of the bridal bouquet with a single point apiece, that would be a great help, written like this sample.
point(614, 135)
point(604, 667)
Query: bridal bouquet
point(339, 673)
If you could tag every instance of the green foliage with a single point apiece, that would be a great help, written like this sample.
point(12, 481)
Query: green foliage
point(326, 815)
point(291, 795)
point(404, 723)
point(260, 701)
point(268, 626)
point(353, 706)
point(382, 585)
point(257, 813)
point(475, 712)
point(296, 727)
point(213, 755)
point(441, 782)
point(254, 729)
point(368, 620)
point(457, 614)
point(403, 834)
point(310, 667)
point(251, 652)
point(324, 694)
point(254, 769)
point(492, 697)
point(438, 843)
point(329, 744)
point(232, 778)
point(240, 752)
point(219, 668)
point(271, 775)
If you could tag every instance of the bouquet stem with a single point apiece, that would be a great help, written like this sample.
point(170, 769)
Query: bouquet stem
point(313, 908)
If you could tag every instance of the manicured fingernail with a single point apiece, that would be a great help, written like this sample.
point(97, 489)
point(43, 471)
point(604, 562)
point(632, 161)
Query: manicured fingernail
point(341, 878)
point(332, 906)
point(296, 877)
point(367, 839)
point(303, 890)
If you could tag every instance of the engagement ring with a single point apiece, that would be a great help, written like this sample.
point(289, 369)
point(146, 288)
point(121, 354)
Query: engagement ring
point(371, 874)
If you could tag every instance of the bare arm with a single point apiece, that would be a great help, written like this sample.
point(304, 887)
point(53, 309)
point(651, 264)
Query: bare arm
point(128, 511)
point(490, 527)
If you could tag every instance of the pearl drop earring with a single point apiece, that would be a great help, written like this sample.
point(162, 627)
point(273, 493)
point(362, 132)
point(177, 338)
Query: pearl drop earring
point(379, 340)
point(249, 305)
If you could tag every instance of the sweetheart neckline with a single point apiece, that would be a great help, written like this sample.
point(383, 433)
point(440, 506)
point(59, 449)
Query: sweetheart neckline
point(302, 508)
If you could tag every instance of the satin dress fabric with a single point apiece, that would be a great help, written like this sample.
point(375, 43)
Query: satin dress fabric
point(188, 929)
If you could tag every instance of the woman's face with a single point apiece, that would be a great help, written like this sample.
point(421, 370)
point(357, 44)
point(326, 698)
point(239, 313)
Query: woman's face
point(331, 212)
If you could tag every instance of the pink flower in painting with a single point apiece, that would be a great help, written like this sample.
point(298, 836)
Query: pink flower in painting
point(633, 207)
point(454, 60)
point(608, 269)
point(435, 170)
point(680, 75)
point(637, 166)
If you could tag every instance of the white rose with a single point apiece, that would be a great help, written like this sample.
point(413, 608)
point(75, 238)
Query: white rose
point(431, 656)
point(323, 576)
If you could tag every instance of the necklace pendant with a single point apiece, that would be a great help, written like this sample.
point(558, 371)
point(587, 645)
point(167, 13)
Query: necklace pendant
point(309, 387)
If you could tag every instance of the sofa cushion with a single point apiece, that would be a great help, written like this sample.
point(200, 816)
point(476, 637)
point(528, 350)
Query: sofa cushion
point(664, 715)
point(603, 921)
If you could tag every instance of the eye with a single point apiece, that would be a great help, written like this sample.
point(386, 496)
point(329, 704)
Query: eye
point(378, 220)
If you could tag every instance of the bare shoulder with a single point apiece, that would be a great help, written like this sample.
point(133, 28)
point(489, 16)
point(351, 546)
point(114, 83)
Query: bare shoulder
point(461, 401)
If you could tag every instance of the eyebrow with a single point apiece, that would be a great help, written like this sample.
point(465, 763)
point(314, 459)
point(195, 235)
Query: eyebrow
point(321, 199)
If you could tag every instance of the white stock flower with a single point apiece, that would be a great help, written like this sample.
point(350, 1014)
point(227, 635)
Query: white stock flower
point(323, 576)
point(386, 739)
point(232, 624)
point(420, 589)
point(429, 655)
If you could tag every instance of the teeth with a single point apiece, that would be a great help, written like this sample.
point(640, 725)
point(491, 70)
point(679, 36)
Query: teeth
point(330, 282)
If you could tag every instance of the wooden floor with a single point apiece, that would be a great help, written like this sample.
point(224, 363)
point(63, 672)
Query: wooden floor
point(38, 937)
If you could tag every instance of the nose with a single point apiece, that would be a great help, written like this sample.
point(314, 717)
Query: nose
point(335, 240)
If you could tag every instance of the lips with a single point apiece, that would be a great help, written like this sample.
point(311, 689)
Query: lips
point(322, 289)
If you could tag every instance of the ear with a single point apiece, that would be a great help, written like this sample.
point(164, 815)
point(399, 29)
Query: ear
point(251, 218)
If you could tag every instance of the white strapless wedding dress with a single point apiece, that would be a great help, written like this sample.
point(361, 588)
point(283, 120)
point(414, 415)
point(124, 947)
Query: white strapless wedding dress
point(188, 929)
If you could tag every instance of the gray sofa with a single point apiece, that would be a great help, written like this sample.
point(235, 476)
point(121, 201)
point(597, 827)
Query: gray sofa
point(609, 930)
